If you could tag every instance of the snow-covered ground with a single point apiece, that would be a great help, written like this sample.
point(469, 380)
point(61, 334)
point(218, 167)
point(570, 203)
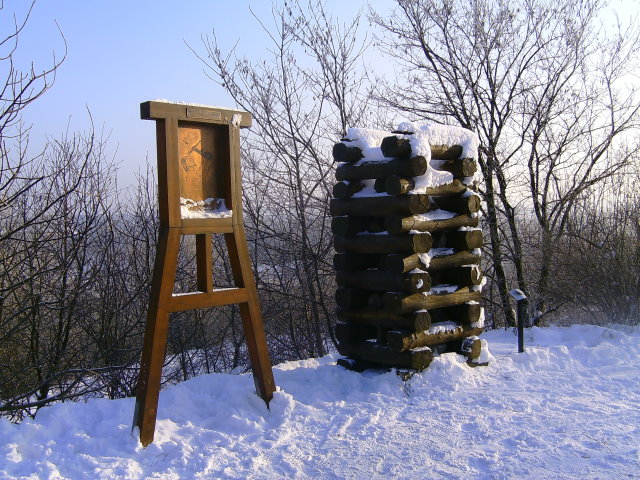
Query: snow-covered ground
point(567, 408)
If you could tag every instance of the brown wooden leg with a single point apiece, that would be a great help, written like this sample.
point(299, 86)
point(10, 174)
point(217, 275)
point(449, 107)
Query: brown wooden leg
point(155, 336)
point(251, 314)
point(204, 262)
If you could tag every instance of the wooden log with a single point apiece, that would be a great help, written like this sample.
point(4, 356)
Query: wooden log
point(445, 152)
point(359, 365)
point(393, 146)
point(415, 321)
point(417, 359)
point(355, 261)
point(413, 243)
point(376, 225)
point(352, 298)
point(380, 280)
point(405, 167)
point(399, 303)
point(440, 152)
point(398, 263)
point(471, 348)
point(405, 340)
point(352, 225)
point(380, 206)
point(375, 301)
point(379, 185)
point(459, 204)
point(349, 225)
point(465, 314)
point(344, 153)
point(401, 263)
point(346, 189)
point(463, 240)
point(462, 167)
point(466, 276)
point(454, 260)
point(396, 185)
point(354, 332)
point(397, 224)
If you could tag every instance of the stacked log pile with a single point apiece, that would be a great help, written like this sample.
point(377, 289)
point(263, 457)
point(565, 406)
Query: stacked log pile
point(405, 224)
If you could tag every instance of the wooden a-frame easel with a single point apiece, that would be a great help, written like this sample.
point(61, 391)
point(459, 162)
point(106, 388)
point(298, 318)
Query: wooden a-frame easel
point(199, 160)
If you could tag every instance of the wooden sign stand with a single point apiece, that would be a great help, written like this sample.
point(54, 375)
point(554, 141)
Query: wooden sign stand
point(200, 192)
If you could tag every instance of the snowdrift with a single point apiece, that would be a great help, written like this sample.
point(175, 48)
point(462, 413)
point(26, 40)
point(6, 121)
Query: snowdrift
point(566, 408)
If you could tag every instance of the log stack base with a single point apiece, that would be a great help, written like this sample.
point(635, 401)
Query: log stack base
point(408, 283)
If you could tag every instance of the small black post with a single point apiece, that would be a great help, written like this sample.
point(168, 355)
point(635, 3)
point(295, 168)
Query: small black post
point(522, 313)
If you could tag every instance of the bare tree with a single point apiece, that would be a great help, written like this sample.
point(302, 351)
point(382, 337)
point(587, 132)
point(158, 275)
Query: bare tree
point(302, 97)
point(543, 85)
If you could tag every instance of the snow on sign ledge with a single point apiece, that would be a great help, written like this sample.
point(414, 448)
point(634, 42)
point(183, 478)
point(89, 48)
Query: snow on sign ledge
point(209, 208)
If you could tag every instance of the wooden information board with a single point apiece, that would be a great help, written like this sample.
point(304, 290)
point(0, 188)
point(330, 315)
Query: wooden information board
point(200, 193)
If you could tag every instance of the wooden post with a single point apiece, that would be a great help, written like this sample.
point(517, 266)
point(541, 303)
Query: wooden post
point(199, 160)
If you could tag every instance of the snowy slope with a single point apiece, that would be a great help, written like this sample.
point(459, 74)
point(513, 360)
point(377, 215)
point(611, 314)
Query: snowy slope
point(567, 408)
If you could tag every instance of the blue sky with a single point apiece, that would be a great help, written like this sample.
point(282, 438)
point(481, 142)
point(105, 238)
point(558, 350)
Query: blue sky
point(121, 53)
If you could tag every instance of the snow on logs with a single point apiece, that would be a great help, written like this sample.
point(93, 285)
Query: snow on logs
point(405, 223)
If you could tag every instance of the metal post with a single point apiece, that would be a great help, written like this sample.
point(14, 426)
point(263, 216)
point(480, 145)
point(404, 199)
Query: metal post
point(521, 298)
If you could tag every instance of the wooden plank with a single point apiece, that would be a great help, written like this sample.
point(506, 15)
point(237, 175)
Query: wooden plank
point(251, 315)
point(154, 110)
point(207, 227)
point(155, 336)
point(216, 298)
point(173, 172)
point(235, 176)
point(204, 262)
point(203, 160)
